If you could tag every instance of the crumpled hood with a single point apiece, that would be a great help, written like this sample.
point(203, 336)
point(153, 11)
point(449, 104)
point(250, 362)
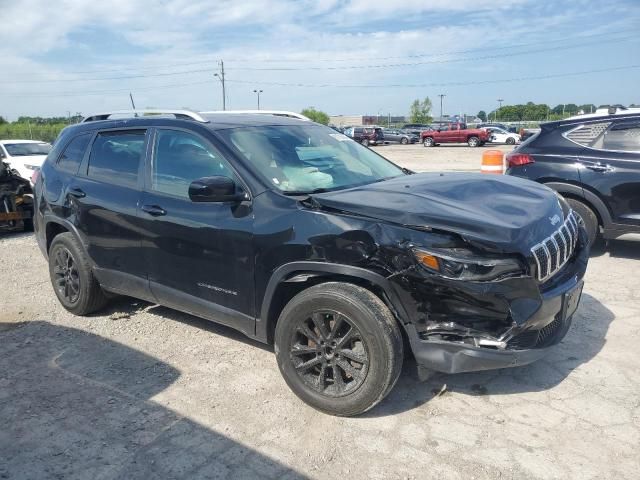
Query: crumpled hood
point(509, 212)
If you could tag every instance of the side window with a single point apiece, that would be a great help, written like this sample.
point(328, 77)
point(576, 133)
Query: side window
point(179, 158)
point(591, 135)
point(115, 157)
point(72, 156)
point(624, 136)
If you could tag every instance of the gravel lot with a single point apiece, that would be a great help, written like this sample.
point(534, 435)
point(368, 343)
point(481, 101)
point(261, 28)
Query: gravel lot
point(141, 391)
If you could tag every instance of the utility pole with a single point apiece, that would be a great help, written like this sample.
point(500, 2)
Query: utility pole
point(220, 76)
point(258, 92)
point(442, 95)
point(500, 100)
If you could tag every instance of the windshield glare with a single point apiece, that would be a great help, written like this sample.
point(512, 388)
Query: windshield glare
point(308, 158)
point(24, 149)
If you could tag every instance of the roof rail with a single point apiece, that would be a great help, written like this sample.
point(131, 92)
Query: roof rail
point(278, 113)
point(181, 114)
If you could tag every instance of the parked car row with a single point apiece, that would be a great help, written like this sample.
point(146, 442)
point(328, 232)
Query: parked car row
point(24, 156)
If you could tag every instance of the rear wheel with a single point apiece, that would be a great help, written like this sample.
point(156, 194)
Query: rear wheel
point(404, 140)
point(473, 142)
point(589, 219)
point(511, 141)
point(72, 278)
point(339, 348)
point(365, 142)
point(428, 142)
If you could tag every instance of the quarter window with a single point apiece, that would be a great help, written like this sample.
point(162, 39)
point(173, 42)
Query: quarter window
point(179, 158)
point(72, 156)
point(590, 135)
point(115, 157)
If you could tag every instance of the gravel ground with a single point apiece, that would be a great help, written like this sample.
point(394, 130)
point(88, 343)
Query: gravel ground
point(141, 391)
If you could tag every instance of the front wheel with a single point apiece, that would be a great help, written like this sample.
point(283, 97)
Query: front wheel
point(365, 142)
point(511, 141)
point(428, 142)
point(473, 142)
point(339, 348)
point(404, 140)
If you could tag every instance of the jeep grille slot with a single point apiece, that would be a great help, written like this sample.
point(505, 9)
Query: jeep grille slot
point(554, 251)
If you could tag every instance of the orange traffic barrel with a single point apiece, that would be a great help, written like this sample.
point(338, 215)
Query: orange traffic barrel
point(492, 162)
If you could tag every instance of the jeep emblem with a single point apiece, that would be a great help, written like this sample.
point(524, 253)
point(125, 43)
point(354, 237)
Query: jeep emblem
point(554, 220)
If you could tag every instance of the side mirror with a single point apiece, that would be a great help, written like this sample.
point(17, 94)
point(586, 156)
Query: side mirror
point(215, 189)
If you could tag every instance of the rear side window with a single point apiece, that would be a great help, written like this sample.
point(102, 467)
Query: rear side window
point(72, 156)
point(115, 157)
point(623, 137)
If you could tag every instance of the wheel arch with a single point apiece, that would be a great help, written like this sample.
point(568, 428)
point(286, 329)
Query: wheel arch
point(292, 278)
point(587, 197)
point(54, 226)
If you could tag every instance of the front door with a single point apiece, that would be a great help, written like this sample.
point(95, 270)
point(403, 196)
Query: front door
point(199, 255)
point(612, 168)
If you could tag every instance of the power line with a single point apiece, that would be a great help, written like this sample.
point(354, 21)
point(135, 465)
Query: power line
point(305, 85)
point(347, 67)
point(211, 58)
point(430, 62)
point(445, 84)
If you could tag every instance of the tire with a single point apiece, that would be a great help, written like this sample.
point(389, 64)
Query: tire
point(404, 140)
point(367, 369)
point(473, 142)
point(75, 286)
point(365, 142)
point(589, 219)
point(428, 142)
point(511, 141)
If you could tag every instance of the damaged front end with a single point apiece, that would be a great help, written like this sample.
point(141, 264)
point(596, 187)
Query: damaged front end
point(465, 318)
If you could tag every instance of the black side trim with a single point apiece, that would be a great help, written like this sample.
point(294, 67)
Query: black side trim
point(184, 302)
point(282, 273)
point(124, 284)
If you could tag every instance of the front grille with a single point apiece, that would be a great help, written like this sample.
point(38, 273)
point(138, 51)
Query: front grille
point(549, 331)
point(554, 251)
point(537, 338)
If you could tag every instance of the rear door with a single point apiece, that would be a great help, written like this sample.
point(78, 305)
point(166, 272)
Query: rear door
point(106, 194)
point(611, 167)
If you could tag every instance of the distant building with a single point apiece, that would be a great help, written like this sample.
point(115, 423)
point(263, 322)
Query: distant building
point(353, 120)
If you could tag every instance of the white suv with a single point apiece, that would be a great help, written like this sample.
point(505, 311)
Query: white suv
point(24, 156)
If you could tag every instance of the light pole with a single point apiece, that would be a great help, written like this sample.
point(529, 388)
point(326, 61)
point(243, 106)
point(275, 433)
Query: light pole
point(258, 92)
point(500, 100)
point(442, 95)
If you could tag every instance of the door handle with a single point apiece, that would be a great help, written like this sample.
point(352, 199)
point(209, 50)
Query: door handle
point(598, 167)
point(77, 192)
point(154, 210)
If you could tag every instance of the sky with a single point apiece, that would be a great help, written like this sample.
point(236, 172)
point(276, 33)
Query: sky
point(341, 56)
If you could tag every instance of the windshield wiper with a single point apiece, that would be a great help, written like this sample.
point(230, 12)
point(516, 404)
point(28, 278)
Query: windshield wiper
point(306, 192)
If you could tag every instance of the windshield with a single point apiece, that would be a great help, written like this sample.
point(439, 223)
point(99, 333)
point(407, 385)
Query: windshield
point(24, 149)
point(309, 158)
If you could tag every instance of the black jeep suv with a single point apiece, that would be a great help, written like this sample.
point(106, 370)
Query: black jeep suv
point(297, 235)
point(594, 162)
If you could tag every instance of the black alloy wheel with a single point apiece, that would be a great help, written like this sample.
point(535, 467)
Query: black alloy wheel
point(66, 276)
point(329, 354)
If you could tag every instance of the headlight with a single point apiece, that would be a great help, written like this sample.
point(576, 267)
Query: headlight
point(30, 167)
point(460, 264)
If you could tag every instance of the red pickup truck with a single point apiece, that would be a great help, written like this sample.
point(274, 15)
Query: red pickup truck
point(455, 133)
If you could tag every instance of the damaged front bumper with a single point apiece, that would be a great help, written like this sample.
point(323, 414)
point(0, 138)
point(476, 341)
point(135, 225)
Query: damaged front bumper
point(535, 318)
